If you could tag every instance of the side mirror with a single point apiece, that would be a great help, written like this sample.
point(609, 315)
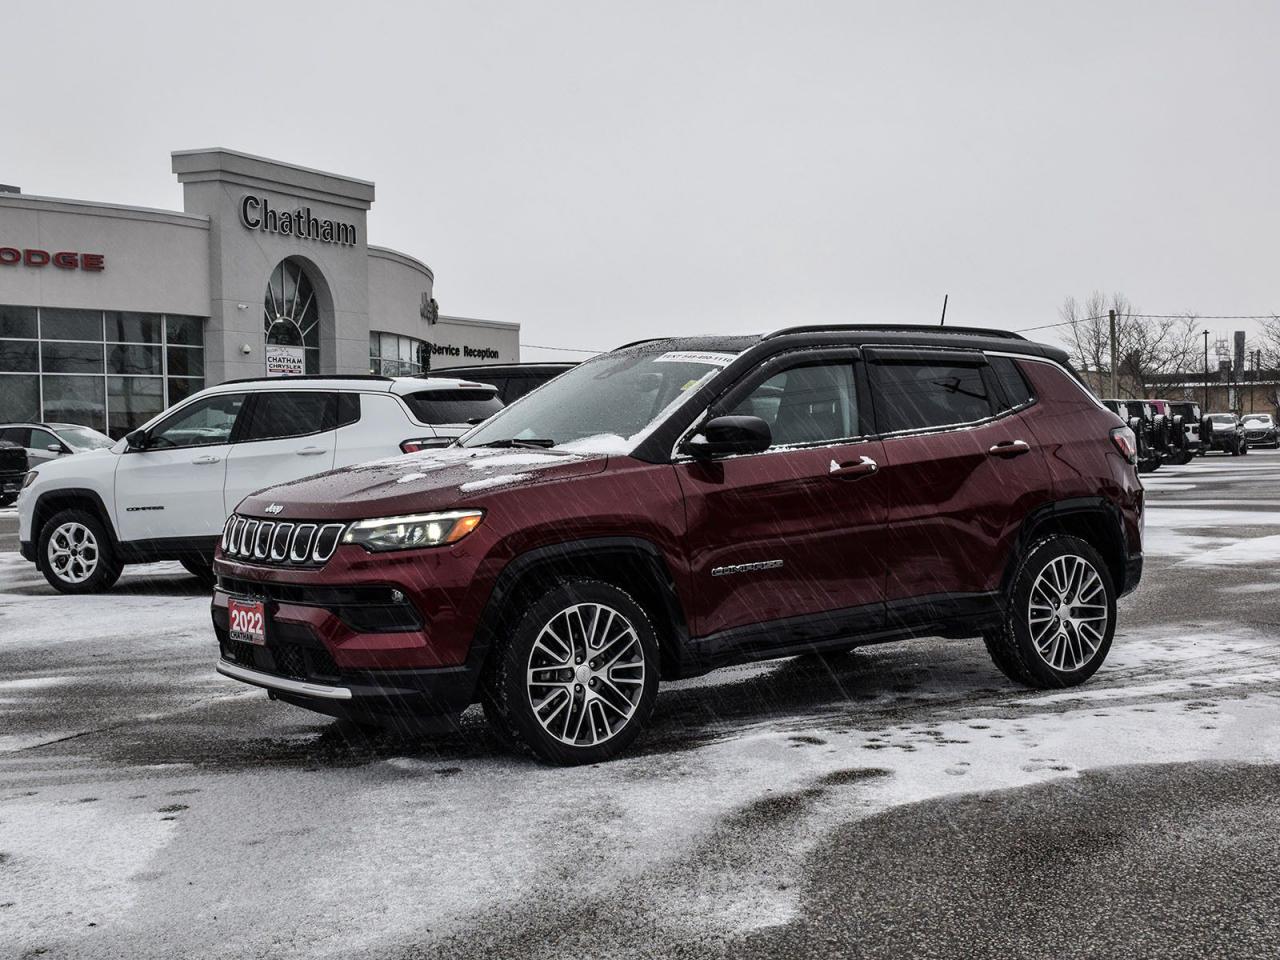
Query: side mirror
point(55, 448)
point(137, 440)
point(722, 436)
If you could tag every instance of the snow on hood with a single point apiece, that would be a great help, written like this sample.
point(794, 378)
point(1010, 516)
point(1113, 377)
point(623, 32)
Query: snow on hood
point(432, 479)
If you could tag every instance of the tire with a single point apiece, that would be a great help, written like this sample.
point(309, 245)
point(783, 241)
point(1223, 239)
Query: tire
point(570, 613)
point(1073, 654)
point(1150, 465)
point(75, 553)
point(8, 499)
point(201, 569)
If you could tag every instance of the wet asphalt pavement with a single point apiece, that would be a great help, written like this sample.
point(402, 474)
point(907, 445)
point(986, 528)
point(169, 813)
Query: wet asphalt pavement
point(900, 801)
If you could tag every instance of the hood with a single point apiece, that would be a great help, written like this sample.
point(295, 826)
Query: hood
point(416, 482)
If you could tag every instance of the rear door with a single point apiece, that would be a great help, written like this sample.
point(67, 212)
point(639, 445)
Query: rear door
point(289, 435)
point(962, 468)
point(795, 531)
point(174, 487)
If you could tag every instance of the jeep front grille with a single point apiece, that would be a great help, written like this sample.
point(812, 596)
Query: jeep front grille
point(283, 543)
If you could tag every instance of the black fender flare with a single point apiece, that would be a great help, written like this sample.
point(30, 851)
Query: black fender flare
point(565, 553)
point(1049, 513)
point(71, 493)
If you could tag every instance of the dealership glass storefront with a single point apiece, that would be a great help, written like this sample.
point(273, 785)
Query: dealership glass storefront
point(393, 355)
point(110, 370)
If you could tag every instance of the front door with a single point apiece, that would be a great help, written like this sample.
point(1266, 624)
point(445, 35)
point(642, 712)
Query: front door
point(173, 488)
point(795, 531)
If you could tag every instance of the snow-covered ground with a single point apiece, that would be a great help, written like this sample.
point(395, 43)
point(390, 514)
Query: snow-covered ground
point(149, 808)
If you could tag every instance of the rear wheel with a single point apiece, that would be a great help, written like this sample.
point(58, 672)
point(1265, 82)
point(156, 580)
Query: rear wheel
point(75, 554)
point(577, 678)
point(1059, 618)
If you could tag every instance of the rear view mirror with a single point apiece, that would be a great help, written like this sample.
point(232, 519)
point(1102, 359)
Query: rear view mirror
point(723, 436)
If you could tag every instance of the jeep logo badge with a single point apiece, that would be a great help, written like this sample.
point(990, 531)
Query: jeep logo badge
point(274, 509)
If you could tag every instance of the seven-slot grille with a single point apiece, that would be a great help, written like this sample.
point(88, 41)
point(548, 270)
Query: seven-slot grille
point(280, 542)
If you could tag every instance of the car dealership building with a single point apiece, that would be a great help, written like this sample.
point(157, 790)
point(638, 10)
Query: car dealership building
point(109, 313)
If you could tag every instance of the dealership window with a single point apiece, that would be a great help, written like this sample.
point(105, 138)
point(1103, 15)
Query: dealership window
point(392, 355)
point(109, 370)
point(290, 314)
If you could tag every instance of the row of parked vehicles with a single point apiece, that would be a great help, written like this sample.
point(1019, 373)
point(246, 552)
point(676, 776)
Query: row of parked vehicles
point(1175, 431)
point(392, 550)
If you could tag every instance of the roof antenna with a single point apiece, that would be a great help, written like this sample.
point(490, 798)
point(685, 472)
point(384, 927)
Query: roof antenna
point(943, 321)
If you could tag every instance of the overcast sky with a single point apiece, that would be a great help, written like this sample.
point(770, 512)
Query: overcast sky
point(601, 171)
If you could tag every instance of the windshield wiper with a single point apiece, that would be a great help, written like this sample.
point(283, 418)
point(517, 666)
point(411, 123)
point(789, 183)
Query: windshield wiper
point(538, 443)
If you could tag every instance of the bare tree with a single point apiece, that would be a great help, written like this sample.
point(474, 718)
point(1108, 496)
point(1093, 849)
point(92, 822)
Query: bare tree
point(1147, 347)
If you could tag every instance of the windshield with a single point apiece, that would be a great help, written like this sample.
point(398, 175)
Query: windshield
point(1222, 418)
point(1262, 418)
point(83, 438)
point(603, 405)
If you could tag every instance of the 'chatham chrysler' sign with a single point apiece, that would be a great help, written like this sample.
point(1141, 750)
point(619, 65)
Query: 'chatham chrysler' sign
point(256, 213)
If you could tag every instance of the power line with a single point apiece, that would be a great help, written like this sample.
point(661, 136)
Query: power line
point(539, 346)
point(1158, 316)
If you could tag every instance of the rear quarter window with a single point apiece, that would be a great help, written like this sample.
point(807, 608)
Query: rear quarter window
point(913, 395)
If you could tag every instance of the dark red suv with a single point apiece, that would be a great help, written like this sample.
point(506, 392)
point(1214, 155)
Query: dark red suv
point(681, 504)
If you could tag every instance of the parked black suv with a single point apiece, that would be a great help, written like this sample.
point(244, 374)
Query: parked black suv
point(13, 467)
point(1151, 432)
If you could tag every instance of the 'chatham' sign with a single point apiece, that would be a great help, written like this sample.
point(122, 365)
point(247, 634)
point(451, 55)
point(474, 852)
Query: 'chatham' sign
point(256, 213)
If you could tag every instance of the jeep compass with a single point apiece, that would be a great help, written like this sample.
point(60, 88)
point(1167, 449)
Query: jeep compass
point(681, 504)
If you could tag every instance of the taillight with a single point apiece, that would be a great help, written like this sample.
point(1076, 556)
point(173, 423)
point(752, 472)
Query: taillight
point(1126, 443)
point(424, 443)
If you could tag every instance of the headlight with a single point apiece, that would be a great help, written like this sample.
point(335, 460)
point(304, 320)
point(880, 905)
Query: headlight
point(412, 532)
point(29, 479)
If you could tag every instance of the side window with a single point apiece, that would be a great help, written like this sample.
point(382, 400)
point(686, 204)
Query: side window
point(348, 409)
point(808, 404)
point(278, 415)
point(19, 436)
point(910, 395)
point(200, 424)
point(43, 439)
point(1013, 384)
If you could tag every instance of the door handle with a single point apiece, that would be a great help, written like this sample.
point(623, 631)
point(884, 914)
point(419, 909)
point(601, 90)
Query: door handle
point(206, 459)
point(310, 451)
point(853, 470)
point(1010, 448)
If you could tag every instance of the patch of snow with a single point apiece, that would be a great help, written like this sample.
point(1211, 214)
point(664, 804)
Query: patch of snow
point(501, 480)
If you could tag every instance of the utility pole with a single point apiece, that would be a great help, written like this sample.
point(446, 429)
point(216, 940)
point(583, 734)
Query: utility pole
point(1205, 411)
point(1115, 389)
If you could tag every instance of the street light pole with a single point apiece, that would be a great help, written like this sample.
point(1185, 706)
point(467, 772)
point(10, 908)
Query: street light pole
point(1206, 373)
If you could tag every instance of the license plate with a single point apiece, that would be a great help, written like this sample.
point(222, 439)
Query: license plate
point(247, 619)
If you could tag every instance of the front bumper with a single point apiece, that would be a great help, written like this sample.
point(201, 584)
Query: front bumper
point(1260, 436)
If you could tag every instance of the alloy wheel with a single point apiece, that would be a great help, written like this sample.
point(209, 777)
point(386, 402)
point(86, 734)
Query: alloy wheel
point(586, 674)
point(73, 552)
point(1068, 613)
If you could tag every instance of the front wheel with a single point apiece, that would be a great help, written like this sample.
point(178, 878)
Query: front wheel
point(75, 553)
point(1060, 616)
point(576, 680)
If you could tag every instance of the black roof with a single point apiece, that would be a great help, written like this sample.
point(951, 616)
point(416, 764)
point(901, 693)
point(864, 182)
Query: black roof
point(898, 334)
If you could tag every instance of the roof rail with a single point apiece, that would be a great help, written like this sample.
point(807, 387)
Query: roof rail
point(895, 328)
point(311, 376)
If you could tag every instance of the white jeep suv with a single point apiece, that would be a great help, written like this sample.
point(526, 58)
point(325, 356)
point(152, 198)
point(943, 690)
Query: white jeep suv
point(164, 491)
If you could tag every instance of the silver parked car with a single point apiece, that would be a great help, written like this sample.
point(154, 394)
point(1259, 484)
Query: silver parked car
point(48, 441)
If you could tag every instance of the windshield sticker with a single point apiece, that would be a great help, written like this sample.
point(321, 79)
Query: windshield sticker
point(695, 356)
